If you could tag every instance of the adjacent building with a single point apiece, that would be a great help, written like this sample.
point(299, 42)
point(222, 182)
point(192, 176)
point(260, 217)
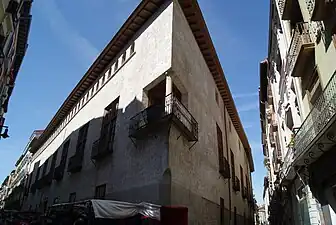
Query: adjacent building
point(15, 185)
point(297, 112)
point(15, 22)
point(153, 119)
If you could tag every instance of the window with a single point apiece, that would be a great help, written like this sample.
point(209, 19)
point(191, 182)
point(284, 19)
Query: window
point(109, 73)
point(132, 48)
point(56, 200)
point(53, 161)
point(108, 126)
point(239, 145)
point(92, 90)
point(315, 88)
point(65, 152)
point(100, 191)
point(235, 215)
point(97, 86)
point(37, 174)
point(216, 97)
point(232, 165)
point(220, 148)
point(123, 58)
point(44, 169)
point(81, 141)
point(241, 179)
point(116, 66)
point(103, 79)
point(222, 211)
point(247, 184)
point(72, 197)
point(230, 125)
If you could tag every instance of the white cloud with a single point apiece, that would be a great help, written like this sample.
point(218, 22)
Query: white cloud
point(83, 49)
point(245, 95)
point(248, 107)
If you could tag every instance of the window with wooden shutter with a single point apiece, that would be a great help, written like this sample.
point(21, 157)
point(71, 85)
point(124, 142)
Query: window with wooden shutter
point(72, 197)
point(53, 161)
point(100, 191)
point(220, 148)
point(45, 166)
point(82, 139)
point(241, 178)
point(222, 211)
point(233, 171)
point(108, 126)
point(65, 152)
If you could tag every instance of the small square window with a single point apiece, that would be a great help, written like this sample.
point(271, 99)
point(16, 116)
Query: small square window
point(100, 191)
point(116, 66)
point(103, 79)
point(72, 197)
point(123, 57)
point(132, 48)
point(216, 97)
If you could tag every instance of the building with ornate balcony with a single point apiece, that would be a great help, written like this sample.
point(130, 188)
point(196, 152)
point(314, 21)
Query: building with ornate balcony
point(297, 112)
point(16, 191)
point(15, 20)
point(153, 120)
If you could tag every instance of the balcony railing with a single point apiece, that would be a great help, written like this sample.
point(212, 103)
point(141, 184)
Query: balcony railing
point(302, 35)
point(224, 167)
point(281, 4)
point(323, 111)
point(310, 6)
point(100, 151)
point(173, 109)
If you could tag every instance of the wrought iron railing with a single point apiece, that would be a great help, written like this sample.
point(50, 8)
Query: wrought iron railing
point(302, 35)
point(310, 6)
point(322, 112)
point(281, 4)
point(172, 107)
point(287, 162)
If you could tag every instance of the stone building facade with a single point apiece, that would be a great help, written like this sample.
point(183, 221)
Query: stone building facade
point(152, 120)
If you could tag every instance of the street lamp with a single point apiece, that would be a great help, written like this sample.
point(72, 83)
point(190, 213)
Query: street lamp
point(4, 135)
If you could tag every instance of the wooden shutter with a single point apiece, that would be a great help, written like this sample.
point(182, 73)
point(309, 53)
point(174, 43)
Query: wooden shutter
point(108, 126)
point(220, 148)
point(82, 139)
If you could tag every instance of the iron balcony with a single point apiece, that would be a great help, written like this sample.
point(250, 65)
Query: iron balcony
point(99, 150)
point(318, 120)
point(173, 110)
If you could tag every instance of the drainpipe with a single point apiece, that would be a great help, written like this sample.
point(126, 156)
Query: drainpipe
point(227, 155)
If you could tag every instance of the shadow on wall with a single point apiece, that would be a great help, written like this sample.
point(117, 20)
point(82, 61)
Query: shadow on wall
point(129, 162)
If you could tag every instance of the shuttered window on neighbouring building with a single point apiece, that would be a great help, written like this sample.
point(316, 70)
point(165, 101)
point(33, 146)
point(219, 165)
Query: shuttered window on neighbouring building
point(108, 126)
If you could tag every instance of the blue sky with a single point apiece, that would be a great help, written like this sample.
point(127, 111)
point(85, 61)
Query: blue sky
point(66, 36)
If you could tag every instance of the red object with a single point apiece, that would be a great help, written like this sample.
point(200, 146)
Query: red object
point(171, 215)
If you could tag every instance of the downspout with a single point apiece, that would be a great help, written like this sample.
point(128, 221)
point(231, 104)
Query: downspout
point(227, 155)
